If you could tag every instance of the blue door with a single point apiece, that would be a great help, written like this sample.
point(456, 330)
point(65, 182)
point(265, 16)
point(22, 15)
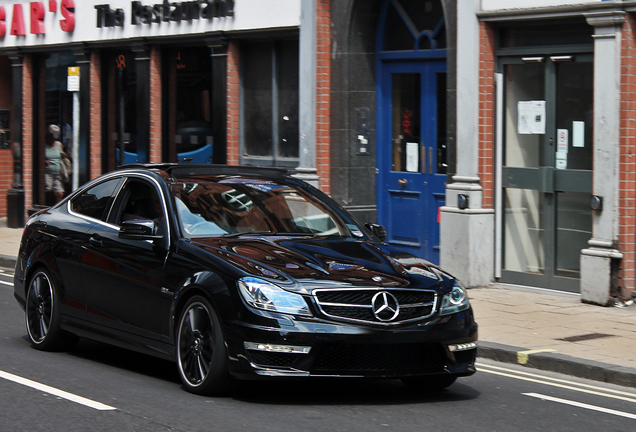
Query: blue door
point(412, 153)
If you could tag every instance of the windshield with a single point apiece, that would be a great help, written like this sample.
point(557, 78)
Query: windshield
point(231, 206)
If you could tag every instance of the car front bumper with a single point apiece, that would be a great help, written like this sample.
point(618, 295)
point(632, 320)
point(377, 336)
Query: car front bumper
point(308, 348)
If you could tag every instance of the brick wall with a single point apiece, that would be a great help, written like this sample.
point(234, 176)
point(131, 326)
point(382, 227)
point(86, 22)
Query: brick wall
point(155, 104)
point(627, 194)
point(6, 178)
point(487, 112)
point(95, 134)
point(27, 134)
point(323, 96)
point(233, 99)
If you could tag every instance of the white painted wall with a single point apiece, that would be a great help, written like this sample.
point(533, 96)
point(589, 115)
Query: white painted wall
point(488, 5)
point(248, 15)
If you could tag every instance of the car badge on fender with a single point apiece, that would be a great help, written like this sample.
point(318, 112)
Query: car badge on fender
point(385, 306)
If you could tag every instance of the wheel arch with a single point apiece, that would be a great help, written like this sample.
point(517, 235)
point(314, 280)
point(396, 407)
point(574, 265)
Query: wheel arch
point(207, 284)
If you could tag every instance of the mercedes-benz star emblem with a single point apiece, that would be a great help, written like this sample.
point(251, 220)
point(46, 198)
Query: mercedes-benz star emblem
point(385, 306)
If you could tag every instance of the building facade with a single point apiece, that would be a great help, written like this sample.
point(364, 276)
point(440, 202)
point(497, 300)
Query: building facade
point(496, 140)
point(545, 147)
point(208, 81)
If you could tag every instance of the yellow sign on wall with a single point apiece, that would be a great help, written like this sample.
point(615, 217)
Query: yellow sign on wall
point(73, 79)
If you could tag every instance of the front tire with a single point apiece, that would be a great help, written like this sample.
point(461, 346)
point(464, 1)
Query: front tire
point(42, 315)
point(201, 354)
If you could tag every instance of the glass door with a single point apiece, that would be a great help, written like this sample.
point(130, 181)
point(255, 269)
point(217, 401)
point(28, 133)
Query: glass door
point(547, 173)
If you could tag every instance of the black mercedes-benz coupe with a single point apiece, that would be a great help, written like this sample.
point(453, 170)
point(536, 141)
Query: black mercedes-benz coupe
point(238, 272)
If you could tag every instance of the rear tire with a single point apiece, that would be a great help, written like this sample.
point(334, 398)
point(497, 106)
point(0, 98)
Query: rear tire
point(201, 354)
point(42, 315)
point(429, 384)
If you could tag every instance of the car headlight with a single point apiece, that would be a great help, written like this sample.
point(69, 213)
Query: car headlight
point(267, 296)
point(454, 301)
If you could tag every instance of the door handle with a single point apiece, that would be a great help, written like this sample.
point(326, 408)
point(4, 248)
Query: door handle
point(95, 241)
point(403, 182)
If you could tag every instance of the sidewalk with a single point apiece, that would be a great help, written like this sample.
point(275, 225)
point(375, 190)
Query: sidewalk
point(539, 328)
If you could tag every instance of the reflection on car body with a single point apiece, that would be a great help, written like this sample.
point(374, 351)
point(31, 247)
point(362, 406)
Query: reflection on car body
point(238, 272)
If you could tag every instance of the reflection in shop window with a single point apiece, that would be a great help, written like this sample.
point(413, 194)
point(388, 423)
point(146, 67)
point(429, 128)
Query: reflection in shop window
point(270, 102)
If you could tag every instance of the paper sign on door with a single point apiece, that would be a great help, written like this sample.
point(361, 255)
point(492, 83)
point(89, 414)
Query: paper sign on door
point(412, 156)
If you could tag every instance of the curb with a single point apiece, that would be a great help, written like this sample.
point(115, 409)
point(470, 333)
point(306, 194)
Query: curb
point(7, 261)
point(555, 362)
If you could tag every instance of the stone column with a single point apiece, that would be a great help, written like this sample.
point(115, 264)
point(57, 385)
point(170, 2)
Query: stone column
point(307, 170)
point(467, 235)
point(598, 262)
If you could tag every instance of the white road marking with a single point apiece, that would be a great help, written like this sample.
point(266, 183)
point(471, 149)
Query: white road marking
point(569, 385)
point(6, 283)
point(529, 374)
point(56, 392)
point(582, 405)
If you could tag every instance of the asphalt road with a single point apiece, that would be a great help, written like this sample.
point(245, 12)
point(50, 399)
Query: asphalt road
point(96, 387)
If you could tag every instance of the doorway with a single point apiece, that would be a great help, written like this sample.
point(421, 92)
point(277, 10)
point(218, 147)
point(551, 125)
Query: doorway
point(547, 168)
point(412, 154)
point(411, 124)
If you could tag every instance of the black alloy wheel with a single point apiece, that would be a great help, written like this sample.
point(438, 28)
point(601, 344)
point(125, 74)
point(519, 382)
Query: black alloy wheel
point(43, 315)
point(201, 354)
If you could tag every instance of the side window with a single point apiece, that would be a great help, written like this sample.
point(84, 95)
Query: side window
point(140, 200)
point(96, 201)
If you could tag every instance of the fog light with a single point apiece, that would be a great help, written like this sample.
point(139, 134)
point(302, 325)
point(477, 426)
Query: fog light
point(291, 349)
point(462, 347)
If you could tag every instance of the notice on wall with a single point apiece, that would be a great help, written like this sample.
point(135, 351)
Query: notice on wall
point(412, 156)
point(73, 79)
point(562, 140)
point(524, 114)
point(578, 134)
point(531, 117)
point(561, 160)
point(538, 111)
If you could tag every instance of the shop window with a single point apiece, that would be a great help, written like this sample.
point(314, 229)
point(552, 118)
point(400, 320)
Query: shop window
point(119, 80)
point(270, 102)
point(58, 101)
point(189, 93)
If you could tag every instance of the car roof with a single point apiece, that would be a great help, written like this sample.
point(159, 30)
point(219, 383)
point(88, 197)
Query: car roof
point(188, 170)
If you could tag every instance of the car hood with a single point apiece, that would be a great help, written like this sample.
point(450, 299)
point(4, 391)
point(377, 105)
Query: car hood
point(304, 264)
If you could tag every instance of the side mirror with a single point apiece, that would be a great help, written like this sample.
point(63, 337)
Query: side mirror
point(140, 229)
point(378, 230)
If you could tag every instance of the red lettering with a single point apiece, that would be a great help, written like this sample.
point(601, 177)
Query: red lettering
point(406, 122)
point(17, 22)
point(52, 6)
point(68, 12)
point(3, 23)
point(37, 18)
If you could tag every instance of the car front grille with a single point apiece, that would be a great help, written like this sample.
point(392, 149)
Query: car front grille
point(394, 359)
point(357, 304)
